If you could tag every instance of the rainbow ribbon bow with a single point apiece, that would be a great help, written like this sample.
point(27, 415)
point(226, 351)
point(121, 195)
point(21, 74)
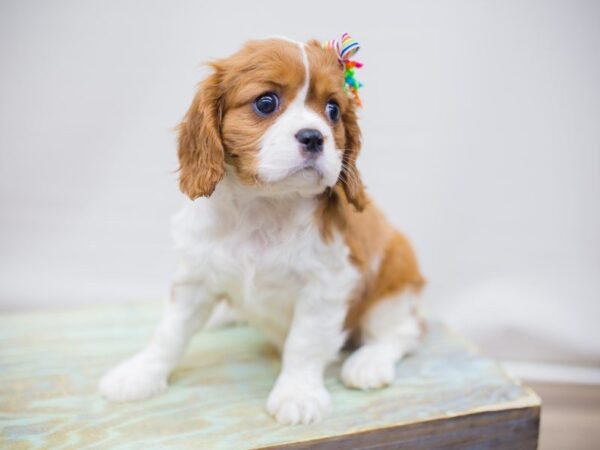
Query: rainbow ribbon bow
point(345, 48)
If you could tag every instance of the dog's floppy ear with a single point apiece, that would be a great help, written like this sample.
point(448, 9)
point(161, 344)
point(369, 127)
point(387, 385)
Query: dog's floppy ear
point(200, 152)
point(349, 177)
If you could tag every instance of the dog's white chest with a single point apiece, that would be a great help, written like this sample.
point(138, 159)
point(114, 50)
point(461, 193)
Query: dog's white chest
point(264, 264)
point(263, 275)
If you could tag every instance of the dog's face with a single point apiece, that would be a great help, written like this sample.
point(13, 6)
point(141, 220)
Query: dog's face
point(275, 116)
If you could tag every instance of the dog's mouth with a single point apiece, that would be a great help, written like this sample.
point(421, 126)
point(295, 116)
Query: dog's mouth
point(306, 168)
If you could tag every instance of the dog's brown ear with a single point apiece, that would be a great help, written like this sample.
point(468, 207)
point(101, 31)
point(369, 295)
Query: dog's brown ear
point(200, 152)
point(349, 177)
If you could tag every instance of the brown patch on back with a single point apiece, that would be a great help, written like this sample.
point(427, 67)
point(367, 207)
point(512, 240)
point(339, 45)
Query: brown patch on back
point(371, 239)
point(365, 232)
point(398, 271)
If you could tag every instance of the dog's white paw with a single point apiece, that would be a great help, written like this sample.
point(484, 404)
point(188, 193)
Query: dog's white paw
point(368, 368)
point(137, 378)
point(293, 402)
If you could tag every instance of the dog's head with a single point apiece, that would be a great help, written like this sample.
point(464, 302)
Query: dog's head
point(276, 117)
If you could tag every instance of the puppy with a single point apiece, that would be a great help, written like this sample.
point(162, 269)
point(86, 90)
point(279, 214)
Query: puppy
point(288, 237)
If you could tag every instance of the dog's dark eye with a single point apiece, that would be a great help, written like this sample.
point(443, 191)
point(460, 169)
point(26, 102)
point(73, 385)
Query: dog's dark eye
point(266, 104)
point(333, 111)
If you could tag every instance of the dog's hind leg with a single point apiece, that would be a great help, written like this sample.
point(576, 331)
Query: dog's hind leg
point(388, 331)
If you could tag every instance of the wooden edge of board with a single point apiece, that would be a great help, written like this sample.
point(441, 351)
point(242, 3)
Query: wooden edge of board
point(515, 428)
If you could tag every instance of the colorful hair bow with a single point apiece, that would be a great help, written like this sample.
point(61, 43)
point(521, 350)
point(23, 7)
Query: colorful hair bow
point(345, 48)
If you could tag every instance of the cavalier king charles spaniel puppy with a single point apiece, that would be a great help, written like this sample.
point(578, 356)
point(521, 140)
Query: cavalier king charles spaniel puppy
point(288, 237)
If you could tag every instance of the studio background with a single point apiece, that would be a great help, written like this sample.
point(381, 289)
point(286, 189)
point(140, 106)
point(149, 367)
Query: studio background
point(481, 126)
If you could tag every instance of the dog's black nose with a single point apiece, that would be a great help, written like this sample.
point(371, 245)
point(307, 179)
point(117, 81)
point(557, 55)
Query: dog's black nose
point(311, 139)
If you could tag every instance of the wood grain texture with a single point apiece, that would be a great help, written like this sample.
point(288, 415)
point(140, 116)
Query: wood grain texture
point(50, 363)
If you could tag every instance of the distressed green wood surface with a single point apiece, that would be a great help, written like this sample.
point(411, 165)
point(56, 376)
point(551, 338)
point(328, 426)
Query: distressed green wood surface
point(50, 363)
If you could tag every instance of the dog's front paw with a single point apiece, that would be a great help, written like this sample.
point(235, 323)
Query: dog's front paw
point(295, 401)
point(137, 378)
point(368, 368)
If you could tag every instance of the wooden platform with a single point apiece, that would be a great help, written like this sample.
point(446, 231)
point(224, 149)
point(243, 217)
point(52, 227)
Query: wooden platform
point(445, 395)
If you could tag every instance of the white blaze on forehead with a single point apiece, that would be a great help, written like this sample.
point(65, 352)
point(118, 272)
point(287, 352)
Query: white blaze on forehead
point(304, 89)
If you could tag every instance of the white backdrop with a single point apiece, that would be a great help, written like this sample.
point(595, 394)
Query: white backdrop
point(482, 142)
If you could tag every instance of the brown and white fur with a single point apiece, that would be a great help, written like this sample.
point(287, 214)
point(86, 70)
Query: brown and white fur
point(288, 238)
